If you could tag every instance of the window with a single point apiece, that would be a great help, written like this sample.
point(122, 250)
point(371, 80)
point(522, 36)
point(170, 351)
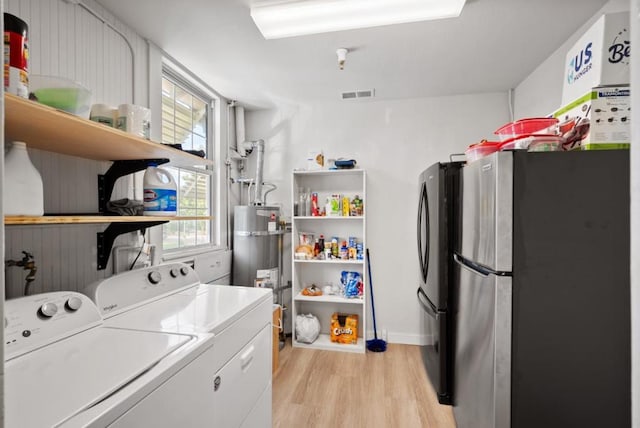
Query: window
point(187, 120)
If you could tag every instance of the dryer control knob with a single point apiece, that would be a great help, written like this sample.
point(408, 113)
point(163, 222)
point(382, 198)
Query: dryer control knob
point(174, 272)
point(184, 271)
point(48, 310)
point(73, 304)
point(154, 277)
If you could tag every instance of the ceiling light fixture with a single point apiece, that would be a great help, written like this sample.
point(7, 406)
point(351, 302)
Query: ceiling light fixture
point(295, 18)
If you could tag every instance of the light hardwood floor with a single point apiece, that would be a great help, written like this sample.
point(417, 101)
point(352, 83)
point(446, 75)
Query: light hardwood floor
point(336, 389)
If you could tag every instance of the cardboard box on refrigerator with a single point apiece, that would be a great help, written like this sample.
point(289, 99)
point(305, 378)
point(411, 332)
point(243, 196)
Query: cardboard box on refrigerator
point(600, 57)
point(598, 120)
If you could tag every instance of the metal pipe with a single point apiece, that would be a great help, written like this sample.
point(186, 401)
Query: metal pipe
point(264, 197)
point(27, 263)
point(230, 106)
point(118, 32)
point(259, 170)
point(249, 191)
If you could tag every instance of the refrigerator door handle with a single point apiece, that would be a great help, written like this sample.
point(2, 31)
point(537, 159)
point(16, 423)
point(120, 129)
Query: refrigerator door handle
point(472, 267)
point(423, 247)
point(426, 304)
point(476, 268)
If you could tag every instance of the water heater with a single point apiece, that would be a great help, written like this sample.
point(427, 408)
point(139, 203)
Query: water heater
point(255, 246)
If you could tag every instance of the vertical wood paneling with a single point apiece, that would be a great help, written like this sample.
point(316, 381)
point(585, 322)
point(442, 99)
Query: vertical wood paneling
point(67, 41)
point(63, 262)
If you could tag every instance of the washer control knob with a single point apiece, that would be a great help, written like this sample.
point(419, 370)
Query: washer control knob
point(73, 304)
point(48, 310)
point(174, 272)
point(154, 277)
point(184, 271)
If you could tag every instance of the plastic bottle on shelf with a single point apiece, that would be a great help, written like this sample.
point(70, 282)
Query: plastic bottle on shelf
point(23, 192)
point(302, 198)
point(315, 209)
point(316, 250)
point(307, 203)
point(160, 192)
point(321, 255)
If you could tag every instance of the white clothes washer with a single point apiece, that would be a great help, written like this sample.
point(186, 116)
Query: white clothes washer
point(170, 298)
point(65, 368)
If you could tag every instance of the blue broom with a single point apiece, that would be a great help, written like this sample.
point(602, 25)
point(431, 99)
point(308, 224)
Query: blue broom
point(375, 344)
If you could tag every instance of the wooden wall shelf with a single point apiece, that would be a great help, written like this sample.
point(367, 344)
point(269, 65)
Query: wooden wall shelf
point(91, 219)
point(46, 128)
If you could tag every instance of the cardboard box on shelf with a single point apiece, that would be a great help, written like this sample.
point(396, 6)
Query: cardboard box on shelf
point(600, 57)
point(315, 160)
point(598, 120)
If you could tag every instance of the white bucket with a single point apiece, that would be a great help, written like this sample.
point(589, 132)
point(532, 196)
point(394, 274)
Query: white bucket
point(160, 192)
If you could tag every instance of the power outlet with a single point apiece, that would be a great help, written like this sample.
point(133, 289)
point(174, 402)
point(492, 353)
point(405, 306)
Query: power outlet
point(383, 333)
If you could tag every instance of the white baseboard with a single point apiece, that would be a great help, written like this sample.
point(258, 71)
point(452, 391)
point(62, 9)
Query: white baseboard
point(404, 339)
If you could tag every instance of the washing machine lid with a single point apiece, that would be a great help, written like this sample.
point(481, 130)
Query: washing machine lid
point(203, 309)
point(52, 384)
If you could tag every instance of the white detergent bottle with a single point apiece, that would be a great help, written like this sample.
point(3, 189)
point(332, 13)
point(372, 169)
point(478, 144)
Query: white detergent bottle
point(160, 192)
point(22, 190)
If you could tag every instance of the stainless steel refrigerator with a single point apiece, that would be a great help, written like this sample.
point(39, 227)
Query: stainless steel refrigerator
point(542, 321)
point(438, 226)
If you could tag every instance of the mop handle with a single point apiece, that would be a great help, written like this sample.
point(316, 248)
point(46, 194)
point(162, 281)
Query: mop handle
point(373, 307)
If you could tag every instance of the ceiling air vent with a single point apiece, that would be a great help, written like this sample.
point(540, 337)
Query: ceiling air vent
point(352, 95)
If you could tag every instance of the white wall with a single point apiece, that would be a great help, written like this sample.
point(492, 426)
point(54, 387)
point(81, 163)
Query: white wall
point(394, 141)
point(541, 92)
point(65, 40)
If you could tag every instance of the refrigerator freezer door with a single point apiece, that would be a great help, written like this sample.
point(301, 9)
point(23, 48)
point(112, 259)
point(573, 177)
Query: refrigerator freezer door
point(482, 382)
point(487, 212)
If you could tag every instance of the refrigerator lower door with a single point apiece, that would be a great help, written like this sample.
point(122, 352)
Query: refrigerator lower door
point(482, 381)
point(436, 355)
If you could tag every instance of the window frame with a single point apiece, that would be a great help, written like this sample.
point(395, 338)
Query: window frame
point(182, 79)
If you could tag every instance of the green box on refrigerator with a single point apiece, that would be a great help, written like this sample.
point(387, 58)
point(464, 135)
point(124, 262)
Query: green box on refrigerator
point(598, 120)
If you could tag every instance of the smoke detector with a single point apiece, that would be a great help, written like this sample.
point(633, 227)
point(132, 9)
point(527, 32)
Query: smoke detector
point(361, 93)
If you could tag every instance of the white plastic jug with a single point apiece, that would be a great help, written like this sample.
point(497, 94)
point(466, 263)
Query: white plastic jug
point(160, 192)
point(22, 191)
